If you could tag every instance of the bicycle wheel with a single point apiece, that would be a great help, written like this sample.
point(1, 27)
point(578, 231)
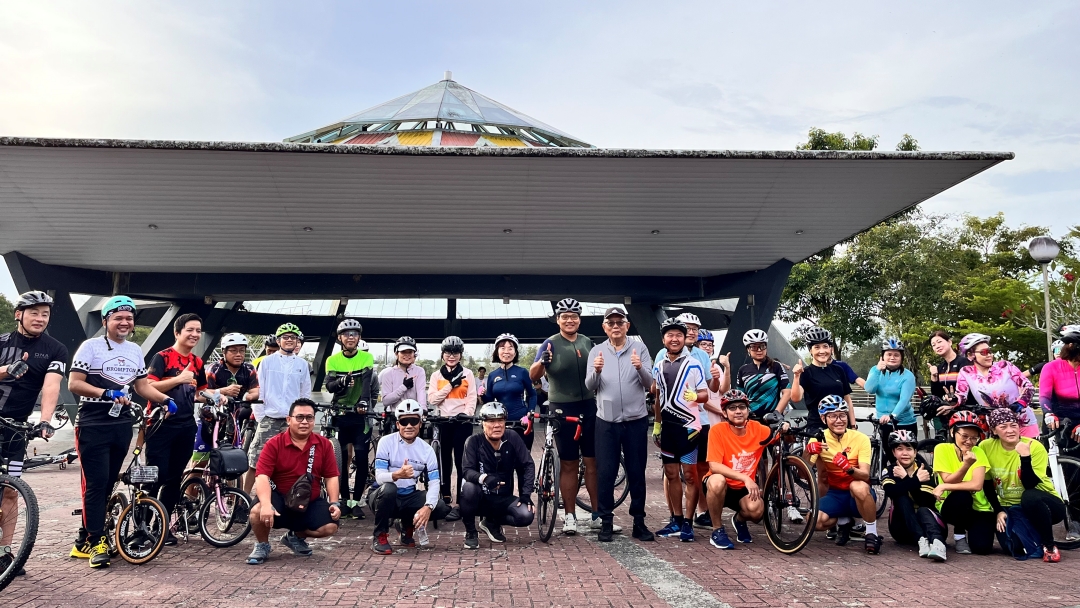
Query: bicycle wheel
point(116, 505)
point(140, 533)
point(192, 494)
point(622, 489)
point(1067, 533)
point(789, 490)
point(436, 445)
point(876, 475)
point(547, 492)
point(20, 520)
point(246, 436)
point(582, 499)
point(224, 521)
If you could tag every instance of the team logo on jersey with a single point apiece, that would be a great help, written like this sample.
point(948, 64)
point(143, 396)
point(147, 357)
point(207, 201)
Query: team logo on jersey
point(120, 370)
point(57, 366)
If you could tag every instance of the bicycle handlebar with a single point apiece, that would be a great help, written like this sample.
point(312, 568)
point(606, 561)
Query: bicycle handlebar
point(559, 416)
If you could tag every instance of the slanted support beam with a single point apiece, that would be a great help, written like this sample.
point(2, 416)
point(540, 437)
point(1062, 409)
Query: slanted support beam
point(757, 305)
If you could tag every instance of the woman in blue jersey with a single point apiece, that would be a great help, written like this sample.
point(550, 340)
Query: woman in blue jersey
point(893, 386)
point(510, 385)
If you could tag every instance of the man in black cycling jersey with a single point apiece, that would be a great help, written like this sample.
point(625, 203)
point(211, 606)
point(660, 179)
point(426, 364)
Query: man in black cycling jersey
point(564, 358)
point(31, 363)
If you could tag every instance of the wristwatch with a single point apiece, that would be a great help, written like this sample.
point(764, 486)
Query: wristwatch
point(336, 503)
point(432, 507)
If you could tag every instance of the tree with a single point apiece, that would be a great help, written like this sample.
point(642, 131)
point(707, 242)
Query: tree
point(7, 315)
point(818, 139)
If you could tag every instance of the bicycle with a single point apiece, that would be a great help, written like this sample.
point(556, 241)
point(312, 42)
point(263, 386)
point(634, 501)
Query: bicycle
point(547, 474)
point(429, 431)
point(622, 489)
point(790, 490)
point(18, 510)
point(220, 511)
point(1064, 471)
point(879, 441)
point(378, 421)
point(63, 459)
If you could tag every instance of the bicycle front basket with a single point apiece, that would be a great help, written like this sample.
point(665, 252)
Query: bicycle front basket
point(144, 474)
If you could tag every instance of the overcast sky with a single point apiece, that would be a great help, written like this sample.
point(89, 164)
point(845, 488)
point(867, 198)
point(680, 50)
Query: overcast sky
point(710, 75)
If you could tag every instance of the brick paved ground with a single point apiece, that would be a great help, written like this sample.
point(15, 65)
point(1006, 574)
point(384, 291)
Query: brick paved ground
point(524, 572)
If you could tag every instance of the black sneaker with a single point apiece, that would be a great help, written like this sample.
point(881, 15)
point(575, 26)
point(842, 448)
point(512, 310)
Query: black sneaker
point(831, 533)
point(170, 540)
point(843, 534)
point(453, 515)
point(641, 531)
point(381, 544)
point(606, 533)
point(703, 521)
point(858, 530)
point(358, 512)
point(472, 540)
point(99, 554)
point(872, 543)
point(493, 532)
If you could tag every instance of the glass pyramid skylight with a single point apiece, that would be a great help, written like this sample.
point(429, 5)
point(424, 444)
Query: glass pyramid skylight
point(443, 114)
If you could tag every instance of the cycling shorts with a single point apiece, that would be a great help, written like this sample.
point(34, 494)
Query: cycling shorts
point(585, 446)
point(13, 448)
point(840, 503)
point(676, 444)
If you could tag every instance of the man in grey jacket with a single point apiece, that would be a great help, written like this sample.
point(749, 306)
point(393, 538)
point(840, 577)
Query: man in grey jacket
point(620, 374)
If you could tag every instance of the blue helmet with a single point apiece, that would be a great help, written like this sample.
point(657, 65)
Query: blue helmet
point(830, 404)
point(892, 344)
point(117, 304)
point(705, 335)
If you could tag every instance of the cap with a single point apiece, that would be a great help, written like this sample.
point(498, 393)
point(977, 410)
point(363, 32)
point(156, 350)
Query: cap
point(615, 310)
point(401, 347)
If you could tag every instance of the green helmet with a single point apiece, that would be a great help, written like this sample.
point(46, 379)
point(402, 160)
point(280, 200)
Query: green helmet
point(289, 328)
point(117, 304)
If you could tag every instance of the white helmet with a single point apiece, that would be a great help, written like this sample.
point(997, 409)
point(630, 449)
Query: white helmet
point(361, 345)
point(233, 339)
point(568, 305)
point(350, 325)
point(493, 411)
point(689, 318)
point(406, 407)
point(970, 341)
point(755, 336)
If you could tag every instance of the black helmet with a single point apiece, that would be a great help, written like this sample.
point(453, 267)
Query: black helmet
point(271, 340)
point(453, 345)
point(31, 299)
point(404, 341)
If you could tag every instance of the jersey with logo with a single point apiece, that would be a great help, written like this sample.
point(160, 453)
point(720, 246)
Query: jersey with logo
point(685, 374)
point(220, 376)
point(45, 356)
point(108, 365)
point(169, 363)
point(763, 385)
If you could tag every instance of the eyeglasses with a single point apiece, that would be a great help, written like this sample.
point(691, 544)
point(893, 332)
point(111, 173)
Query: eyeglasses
point(304, 417)
point(986, 352)
point(614, 323)
point(738, 408)
point(757, 347)
point(569, 316)
point(409, 421)
point(287, 338)
point(840, 416)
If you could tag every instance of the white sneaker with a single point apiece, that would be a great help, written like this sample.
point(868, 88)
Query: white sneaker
point(924, 547)
point(596, 524)
point(794, 515)
point(937, 551)
point(569, 524)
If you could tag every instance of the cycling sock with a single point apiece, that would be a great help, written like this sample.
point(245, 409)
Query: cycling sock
point(843, 521)
point(871, 527)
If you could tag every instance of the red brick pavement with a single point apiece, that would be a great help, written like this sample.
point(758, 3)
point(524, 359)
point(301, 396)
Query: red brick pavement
point(524, 572)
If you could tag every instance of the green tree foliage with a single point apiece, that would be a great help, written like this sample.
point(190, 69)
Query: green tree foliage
point(908, 144)
point(818, 139)
point(7, 315)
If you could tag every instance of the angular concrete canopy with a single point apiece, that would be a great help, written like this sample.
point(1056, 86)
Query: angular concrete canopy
point(479, 211)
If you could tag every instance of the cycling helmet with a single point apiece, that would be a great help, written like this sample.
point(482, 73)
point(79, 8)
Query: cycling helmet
point(33, 298)
point(493, 411)
point(892, 344)
point(1059, 344)
point(361, 345)
point(233, 339)
point(1070, 334)
point(704, 335)
point(970, 341)
point(902, 437)
point(733, 396)
point(453, 345)
point(969, 419)
point(672, 324)
point(117, 304)
point(929, 406)
point(689, 318)
point(755, 336)
point(568, 305)
point(830, 404)
point(350, 324)
point(404, 343)
point(270, 340)
point(289, 328)
point(504, 337)
point(407, 407)
point(818, 335)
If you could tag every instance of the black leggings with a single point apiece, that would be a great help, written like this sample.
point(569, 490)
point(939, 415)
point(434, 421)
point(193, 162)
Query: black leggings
point(979, 526)
point(452, 436)
point(503, 509)
point(1043, 510)
point(355, 435)
point(908, 523)
point(169, 449)
point(101, 452)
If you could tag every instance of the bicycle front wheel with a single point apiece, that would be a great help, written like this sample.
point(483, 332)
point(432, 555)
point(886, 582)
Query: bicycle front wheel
point(876, 475)
point(547, 492)
point(19, 516)
point(115, 507)
point(1067, 533)
point(791, 496)
point(224, 521)
point(140, 531)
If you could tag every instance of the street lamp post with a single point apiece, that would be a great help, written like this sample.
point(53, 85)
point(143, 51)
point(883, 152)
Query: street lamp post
point(1044, 249)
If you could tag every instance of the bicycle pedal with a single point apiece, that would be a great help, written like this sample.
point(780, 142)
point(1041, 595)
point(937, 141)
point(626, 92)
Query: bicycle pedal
point(76, 512)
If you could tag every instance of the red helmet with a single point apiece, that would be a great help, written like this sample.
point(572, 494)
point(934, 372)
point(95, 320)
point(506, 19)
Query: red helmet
point(966, 418)
point(733, 396)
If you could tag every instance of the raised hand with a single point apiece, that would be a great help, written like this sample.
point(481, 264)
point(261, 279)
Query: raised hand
point(598, 362)
point(547, 356)
point(406, 471)
point(635, 360)
point(188, 374)
point(923, 474)
point(798, 367)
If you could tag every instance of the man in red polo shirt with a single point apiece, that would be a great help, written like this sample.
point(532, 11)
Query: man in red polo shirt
point(286, 458)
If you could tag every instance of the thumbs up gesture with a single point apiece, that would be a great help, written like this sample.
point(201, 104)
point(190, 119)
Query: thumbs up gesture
point(547, 355)
point(405, 472)
point(188, 374)
point(689, 394)
point(635, 360)
point(17, 369)
point(598, 362)
point(923, 474)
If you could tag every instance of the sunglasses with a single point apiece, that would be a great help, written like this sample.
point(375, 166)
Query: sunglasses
point(304, 417)
point(614, 323)
point(409, 421)
point(350, 334)
point(757, 347)
point(984, 352)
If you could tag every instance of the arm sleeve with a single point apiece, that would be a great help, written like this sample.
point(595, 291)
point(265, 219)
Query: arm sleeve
point(335, 383)
point(530, 393)
point(962, 387)
point(592, 379)
point(1027, 473)
point(382, 462)
point(433, 393)
point(434, 477)
point(907, 389)
point(373, 388)
point(305, 381)
point(470, 460)
point(1046, 390)
point(1023, 383)
point(156, 370)
point(782, 375)
point(990, 490)
point(892, 486)
point(470, 394)
point(421, 396)
point(390, 397)
point(489, 384)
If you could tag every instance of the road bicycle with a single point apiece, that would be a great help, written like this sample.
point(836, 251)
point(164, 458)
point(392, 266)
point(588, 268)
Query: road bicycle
point(429, 431)
point(1064, 471)
point(18, 508)
point(547, 473)
point(218, 510)
point(790, 490)
point(879, 459)
point(622, 489)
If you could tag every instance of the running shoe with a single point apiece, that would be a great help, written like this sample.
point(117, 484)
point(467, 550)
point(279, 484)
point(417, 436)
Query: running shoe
point(298, 545)
point(81, 550)
point(569, 524)
point(1052, 556)
point(742, 531)
point(872, 543)
point(493, 532)
point(686, 534)
point(259, 554)
point(407, 539)
point(720, 540)
point(704, 521)
point(962, 547)
point(843, 534)
point(924, 547)
point(937, 551)
point(381, 544)
point(673, 528)
point(794, 515)
point(472, 540)
point(596, 524)
point(99, 554)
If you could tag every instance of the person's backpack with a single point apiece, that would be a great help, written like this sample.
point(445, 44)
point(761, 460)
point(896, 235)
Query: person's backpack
point(1020, 538)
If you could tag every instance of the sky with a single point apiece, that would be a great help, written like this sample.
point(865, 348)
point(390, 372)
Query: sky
point(991, 76)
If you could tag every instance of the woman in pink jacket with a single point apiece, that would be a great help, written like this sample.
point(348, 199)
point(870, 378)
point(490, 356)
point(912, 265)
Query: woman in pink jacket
point(993, 384)
point(451, 391)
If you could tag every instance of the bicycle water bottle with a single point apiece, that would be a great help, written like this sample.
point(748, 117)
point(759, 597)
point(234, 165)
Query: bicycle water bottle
point(421, 535)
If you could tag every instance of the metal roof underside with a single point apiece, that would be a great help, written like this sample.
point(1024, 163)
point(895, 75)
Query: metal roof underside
point(570, 211)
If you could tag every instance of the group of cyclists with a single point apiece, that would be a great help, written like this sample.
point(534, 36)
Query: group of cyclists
point(710, 424)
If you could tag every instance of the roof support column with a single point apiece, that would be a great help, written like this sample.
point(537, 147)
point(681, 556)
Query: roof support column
point(755, 310)
point(645, 322)
point(326, 345)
